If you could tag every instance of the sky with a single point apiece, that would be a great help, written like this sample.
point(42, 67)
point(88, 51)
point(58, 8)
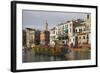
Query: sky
point(37, 19)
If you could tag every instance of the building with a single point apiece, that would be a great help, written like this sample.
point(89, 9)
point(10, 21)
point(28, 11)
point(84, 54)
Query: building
point(33, 36)
point(37, 37)
point(52, 34)
point(74, 32)
point(88, 22)
point(71, 32)
point(82, 32)
point(24, 37)
point(45, 35)
point(61, 31)
point(88, 27)
point(30, 36)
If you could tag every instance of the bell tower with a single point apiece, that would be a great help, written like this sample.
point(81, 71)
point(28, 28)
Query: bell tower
point(46, 26)
point(88, 21)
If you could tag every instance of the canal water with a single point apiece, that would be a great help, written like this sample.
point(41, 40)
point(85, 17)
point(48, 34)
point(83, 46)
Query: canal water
point(30, 56)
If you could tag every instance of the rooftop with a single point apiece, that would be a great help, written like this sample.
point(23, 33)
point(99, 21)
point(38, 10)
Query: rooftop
point(30, 29)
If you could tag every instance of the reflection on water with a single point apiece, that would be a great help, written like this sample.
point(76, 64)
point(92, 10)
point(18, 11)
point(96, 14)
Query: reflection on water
point(78, 55)
point(30, 56)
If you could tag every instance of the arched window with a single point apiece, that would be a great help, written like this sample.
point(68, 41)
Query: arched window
point(83, 37)
point(76, 30)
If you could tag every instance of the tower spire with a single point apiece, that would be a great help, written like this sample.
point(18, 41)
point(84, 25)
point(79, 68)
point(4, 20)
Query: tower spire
point(46, 26)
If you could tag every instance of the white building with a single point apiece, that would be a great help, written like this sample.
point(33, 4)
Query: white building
point(30, 36)
point(78, 32)
point(60, 32)
point(52, 34)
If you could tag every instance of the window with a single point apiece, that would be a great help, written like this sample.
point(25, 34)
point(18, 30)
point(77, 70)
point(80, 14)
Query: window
point(83, 37)
point(56, 33)
point(63, 42)
point(84, 29)
point(76, 30)
point(69, 39)
point(79, 37)
point(53, 32)
point(67, 30)
point(70, 29)
point(66, 26)
point(63, 27)
point(87, 36)
point(53, 37)
point(88, 16)
point(80, 30)
point(70, 25)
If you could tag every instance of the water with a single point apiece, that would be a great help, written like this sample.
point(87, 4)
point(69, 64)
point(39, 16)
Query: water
point(31, 56)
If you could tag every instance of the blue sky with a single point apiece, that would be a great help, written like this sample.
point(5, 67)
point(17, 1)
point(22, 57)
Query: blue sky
point(37, 19)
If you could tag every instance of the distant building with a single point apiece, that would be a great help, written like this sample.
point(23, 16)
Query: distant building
point(37, 37)
point(24, 37)
point(30, 36)
point(88, 22)
point(33, 36)
point(42, 37)
point(45, 37)
point(46, 26)
point(52, 34)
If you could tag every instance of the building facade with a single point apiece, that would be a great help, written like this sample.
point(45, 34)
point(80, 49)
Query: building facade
point(53, 34)
point(74, 32)
point(30, 36)
point(45, 37)
point(37, 37)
